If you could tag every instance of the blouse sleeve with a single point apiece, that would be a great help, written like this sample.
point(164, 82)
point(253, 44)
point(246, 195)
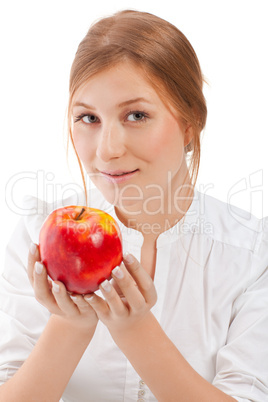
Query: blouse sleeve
point(242, 364)
point(22, 318)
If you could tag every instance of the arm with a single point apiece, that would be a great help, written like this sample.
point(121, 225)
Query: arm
point(46, 372)
point(139, 335)
point(162, 367)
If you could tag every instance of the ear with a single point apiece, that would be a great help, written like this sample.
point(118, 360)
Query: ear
point(188, 134)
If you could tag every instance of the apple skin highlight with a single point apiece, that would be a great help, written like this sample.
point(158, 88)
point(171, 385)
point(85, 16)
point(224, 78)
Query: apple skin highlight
point(80, 246)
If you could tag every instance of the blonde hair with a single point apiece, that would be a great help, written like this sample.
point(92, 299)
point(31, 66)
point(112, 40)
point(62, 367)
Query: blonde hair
point(164, 54)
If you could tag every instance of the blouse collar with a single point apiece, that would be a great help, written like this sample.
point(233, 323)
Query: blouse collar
point(185, 225)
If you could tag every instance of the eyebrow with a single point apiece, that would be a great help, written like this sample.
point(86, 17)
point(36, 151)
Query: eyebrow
point(83, 104)
point(128, 102)
point(125, 103)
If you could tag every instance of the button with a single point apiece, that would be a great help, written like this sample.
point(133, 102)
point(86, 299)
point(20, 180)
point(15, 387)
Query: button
point(141, 392)
point(142, 383)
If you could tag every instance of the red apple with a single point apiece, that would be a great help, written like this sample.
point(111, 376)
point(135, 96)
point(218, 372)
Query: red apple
point(80, 246)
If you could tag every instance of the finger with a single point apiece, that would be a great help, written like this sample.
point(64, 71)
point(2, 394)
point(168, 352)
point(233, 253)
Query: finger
point(141, 277)
point(63, 300)
point(129, 288)
point(112, 303)
point(81, 303)
point(33, 256)
point(42, 288)
point(99, 305)
point(117, 288)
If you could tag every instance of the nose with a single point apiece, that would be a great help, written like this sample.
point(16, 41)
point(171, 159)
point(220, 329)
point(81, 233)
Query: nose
point(110, 143)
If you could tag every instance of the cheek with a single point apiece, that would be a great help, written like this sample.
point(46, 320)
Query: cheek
point(165, 142)
point(84, 151)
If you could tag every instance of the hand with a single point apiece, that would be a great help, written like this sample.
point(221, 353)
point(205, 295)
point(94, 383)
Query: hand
point(54, 296)
point(126, 307)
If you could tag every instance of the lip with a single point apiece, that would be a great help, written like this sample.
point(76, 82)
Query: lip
point(113, 175)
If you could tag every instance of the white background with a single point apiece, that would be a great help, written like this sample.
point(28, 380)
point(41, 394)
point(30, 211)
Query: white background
point(38, 43)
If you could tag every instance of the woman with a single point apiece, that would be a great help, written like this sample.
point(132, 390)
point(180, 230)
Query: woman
point(185, 315)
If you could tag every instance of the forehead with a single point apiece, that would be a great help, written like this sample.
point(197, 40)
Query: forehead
point(125, 76)
point(126, 80)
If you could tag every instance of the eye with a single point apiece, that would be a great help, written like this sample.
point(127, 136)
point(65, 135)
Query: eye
point(136, 116)
point(87, 118)
point(90, 118)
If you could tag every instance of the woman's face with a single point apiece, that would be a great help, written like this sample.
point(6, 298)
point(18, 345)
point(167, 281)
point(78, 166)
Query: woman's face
point(129, 142)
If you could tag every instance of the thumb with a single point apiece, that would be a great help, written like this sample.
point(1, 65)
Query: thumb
point(33, 256)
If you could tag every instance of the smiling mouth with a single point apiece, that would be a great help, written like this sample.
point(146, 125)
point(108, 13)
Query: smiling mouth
point(116, 174)
point(119, 176)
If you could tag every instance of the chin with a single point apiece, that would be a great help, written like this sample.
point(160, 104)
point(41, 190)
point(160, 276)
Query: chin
point(126, 200)
point(108, 190)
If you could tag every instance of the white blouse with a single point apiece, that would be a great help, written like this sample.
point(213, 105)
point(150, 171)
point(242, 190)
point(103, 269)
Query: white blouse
point(212, 283)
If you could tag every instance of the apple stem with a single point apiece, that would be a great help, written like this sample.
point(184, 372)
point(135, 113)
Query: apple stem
point(80, 214)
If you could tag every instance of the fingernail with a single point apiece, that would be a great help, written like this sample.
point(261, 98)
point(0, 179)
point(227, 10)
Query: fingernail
point(106, 286)
point(73, 298)
point(89, 298)
point(118, 273)
point(33, 248)
point(55, 287)
point(38, 267)
point(128, 258)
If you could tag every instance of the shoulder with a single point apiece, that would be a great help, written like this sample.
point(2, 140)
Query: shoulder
point(228, 224)
point(232, 239)
point(228, 243)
